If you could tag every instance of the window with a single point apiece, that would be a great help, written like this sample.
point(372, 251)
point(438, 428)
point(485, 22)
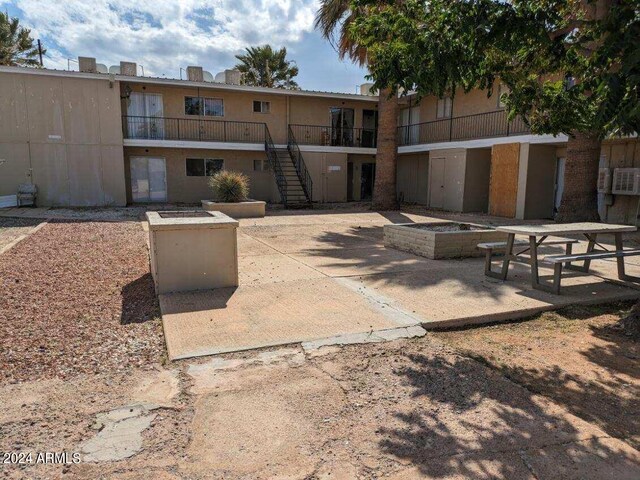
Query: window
point(444, 108)
point(203, 167)
point(209, 107)
point(261, 107)
point(502, 91)
point(260, 165)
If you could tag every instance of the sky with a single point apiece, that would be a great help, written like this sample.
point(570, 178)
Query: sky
point(165, 35)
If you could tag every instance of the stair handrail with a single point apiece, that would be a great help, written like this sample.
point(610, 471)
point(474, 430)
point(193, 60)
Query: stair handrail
point(274, 164)
point(301, 167)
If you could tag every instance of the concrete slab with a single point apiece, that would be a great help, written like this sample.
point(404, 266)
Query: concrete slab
point(260, 269)
point(227, 320)
point(454, 293)
point(250, 246)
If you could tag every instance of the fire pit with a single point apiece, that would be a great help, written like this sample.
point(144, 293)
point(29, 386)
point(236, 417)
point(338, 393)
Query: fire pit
point(440, 240)
point(192, 250)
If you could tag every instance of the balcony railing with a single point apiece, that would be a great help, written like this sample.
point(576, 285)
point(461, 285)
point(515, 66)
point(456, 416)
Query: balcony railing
point(334, 136)
point(194, 129)
point(469, 127)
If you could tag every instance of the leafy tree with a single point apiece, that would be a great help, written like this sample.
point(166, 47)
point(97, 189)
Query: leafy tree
point(265, 67)
point(16, 45)
point(572, 66)
point(334, 20)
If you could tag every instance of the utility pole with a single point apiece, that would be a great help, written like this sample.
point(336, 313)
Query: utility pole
point(40, 52)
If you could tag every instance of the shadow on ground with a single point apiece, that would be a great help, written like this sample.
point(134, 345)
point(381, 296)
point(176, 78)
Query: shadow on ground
point(139, 301)
point(478, 426)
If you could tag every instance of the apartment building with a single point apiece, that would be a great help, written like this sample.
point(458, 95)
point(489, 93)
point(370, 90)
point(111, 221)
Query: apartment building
point(96, 138)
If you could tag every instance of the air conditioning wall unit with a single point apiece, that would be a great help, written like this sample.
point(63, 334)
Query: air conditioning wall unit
point(604, 180)
point(626, 181)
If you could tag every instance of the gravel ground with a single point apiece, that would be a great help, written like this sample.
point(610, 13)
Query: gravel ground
point(13, 228)
point(77, 297)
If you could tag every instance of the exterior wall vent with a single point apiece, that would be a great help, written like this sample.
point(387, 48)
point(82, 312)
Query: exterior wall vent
point(604, 180)
point(195, 74)
point(87, 65)
point(626, 181)
point(129, 69)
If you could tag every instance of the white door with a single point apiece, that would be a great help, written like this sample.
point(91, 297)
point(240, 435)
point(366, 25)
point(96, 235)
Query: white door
point(559, 182)
point(145, 113)
point(436, 182)
point(148, 179)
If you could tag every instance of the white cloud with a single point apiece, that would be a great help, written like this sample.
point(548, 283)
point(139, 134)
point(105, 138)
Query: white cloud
point(163, 35)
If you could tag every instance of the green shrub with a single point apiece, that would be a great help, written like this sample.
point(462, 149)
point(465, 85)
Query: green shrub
point(229, 186)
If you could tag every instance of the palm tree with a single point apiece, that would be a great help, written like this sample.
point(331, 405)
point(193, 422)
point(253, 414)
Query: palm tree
point(334, 17)
point(265, 67)
point(16, 44)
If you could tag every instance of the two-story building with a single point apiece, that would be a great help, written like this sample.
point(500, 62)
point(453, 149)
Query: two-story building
point(94, 138)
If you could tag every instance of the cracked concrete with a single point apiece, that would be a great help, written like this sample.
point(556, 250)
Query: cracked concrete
point(119, 433)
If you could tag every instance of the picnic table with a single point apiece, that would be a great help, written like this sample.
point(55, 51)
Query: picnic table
point(541, 234)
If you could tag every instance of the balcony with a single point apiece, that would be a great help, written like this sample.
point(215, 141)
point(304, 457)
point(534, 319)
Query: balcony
point(469, 127)
point(335, 136)
point(192, 129)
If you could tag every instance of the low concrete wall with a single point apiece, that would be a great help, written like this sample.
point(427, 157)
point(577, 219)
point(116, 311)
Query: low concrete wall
point(198, 252)
point(248, 209)
point(438, 245)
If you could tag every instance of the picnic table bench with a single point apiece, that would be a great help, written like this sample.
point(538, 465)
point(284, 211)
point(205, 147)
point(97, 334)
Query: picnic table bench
point(547, 235)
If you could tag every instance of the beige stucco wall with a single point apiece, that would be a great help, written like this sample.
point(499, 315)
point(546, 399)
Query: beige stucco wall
point(621, 154)
point(64, 134)
point(315, 111)
point(185, 189)
point(329, 175)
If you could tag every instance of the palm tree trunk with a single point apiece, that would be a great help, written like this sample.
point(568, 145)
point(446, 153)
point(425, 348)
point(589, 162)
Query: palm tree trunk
point(580, 199)
point(384, 190)
point(631, 323)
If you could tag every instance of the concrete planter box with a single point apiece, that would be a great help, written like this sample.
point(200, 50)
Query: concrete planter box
point(440, 240)
point(248, 209)
point(192, 250)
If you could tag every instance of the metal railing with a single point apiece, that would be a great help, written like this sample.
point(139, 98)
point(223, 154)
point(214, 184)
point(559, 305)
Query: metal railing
point(274, 164)
point(195, 129)
point(468, 127)
point(301, 167)
point(334, 136)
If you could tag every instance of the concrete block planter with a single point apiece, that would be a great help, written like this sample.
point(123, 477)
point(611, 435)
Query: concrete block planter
point(440, 240)
point(248, 209)
point(192, 250)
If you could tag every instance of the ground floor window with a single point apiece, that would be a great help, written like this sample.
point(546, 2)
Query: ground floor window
point(203, 167)
point(260, 165)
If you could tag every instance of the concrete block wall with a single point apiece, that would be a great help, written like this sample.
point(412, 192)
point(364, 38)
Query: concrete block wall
point(439, 245)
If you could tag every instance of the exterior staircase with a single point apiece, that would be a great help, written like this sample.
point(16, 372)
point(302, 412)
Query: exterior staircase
point(292, 177)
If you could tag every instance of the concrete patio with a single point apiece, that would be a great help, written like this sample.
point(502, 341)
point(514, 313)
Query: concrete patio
point(325, 277)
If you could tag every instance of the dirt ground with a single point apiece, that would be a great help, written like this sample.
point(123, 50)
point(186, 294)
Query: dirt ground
point(573, 356)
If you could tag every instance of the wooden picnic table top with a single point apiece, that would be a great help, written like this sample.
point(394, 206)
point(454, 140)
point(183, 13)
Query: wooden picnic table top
point(566, 229)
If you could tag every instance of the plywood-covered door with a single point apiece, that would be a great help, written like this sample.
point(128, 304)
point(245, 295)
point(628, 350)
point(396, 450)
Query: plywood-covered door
point(503, 186)
point(436, 182)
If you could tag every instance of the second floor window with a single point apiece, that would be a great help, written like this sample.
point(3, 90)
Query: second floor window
point(209, 107)
point(261, 107)
point(203, 167)
point(444, 108)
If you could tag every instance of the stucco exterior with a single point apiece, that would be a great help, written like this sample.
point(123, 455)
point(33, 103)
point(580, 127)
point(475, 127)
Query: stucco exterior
point(65, 136)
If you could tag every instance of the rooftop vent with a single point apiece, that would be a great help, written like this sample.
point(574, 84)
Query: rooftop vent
point(230, 77)
point(129, 69)
point(87, 65)
point(195, 74)
point(367, 89)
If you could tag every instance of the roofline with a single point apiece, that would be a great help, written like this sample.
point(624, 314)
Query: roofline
point(187, 83)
